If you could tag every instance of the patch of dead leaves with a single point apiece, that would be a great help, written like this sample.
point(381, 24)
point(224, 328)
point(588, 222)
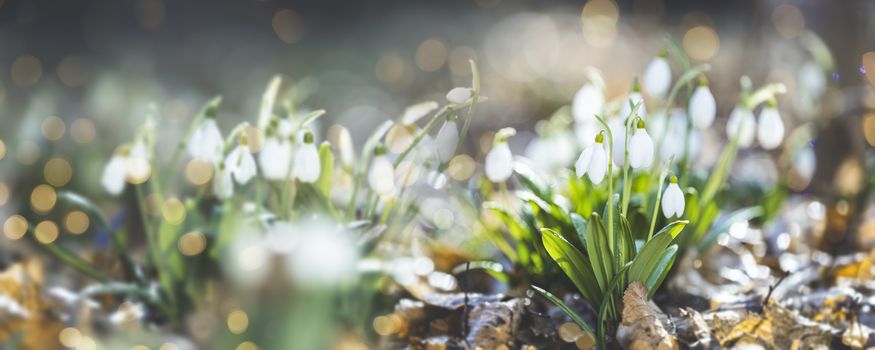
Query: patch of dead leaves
point(644, 325)
point(22, 309)
point(775, 328)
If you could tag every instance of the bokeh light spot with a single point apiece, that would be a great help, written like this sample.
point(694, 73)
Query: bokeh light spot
point(192, 243)
point(461, 167)
point(287, 26)
point(238, 321)
point(69, 337)
point(173, 211)
point(57, 172)
point(26, 70)
point(701, 42)
point(15, 227)
point(53, 128)
point(46, 232)
point(83, 131)
point(788, 21)
point(431, 55)
point(76, 222)
point(4, 193)
point(198, 172)
point(72, 71)
point(43, 198)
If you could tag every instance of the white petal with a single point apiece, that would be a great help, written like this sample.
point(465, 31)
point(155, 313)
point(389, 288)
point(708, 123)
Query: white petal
point(306, 165)
point(241, 164)
point(640, 149)
point(113, 177)
point(598, 165)
point(770, 131)
point(446, 141)
point(275, 159)
point(582, 164)
point(499, 163)
point(812, 79)
point(673, 201)
point(741, 120)
point(679, 202)
point(459, 95)
point(223, 186)
point(345, 147)
point(635, 98)
point(381, 178)
point(206, 142)
point(285, 129)
point(588, 101)
point(703, 108)
point(657, 77)
point(417, 111)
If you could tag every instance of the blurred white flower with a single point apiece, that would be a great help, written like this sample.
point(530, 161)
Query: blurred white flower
point(770, 129)
point(113, 177)
point(459, 95)
point(742, 123)
point(553, 151)
point(499, 160)
point(223, 184)
point(676, 125)
point(381, 176)
point(306, 166)
point(812, 79)
point(702, 107)
point(322, 254)
point(588, 102)
point(446, 140)
point(275, 158)
point(345, 147)
point(241, 163)
point(640, 148)
point(673, 200)
point(634, 98)
point(206, 141)
point(415, 112)
point(657, 76)
point(593, 161)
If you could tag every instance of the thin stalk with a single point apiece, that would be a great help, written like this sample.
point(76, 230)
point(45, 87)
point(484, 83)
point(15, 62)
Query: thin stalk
point(74, 261)
point(662, 177)
point(611, 238)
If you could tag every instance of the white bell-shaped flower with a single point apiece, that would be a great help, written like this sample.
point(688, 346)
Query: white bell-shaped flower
point(306, 167)
point(206, 142)
point(593, 161)
point(673, 200)
point(240, 162)
point(770, 129)
point(703, 107)
point(223, 184)
point(633, 99)
point(499, 160)
point(588, 102)
point(381, 177)
point(275, 158)
point(640, 147)
point(742, 123)
point(657, 76)
point(459, 95)
point(113, 177)
point(446, 140)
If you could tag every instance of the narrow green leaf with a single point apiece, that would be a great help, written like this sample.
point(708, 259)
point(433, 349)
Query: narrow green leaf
point(573, 263)
point(648, 256)
point(599, 251)
point(531, 180)
point(567, 310)
point(326, 161)
point(660, 269)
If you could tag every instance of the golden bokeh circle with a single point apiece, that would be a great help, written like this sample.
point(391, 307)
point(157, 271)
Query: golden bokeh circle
point(43, 198)
point(77, 222)
point(27, 70)
point(238, 321)
point(198, 172)
point(57, 172)
point(46, 232)
point(701, 42)
point(15, 227)
point(192, 243)
point(83, 131)
point(53, 128)
point(173, 211)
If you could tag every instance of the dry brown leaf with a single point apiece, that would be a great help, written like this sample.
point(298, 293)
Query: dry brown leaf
point(644, 325)
point(776, 328)
point(21, 286)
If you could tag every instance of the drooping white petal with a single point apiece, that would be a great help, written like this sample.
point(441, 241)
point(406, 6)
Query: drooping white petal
point(626, 109)
point(459, 95)
point(598, 165)
point(345, 147)
point(741, 122)
point(206, 142)
point(223, 184)
point(275, 159)
point(306, 166)
point(446, 141)
point(285, 128)
point(415, 112)
point(588, 101)
point(582, 164)
point(241, 164)
point(770, 129)
point(499, 163)
point(657, 77)
point(640, 149)
point(673, 201)
point(113, 177)
point(703, 108)
point(381, 177)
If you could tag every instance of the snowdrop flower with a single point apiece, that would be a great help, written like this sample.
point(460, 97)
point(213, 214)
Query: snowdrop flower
point(676, 125)
point(702, 106)
point(634, 98)
point(770, 131)
point(640, 147)
point(206, 141)
point(593, 161)
point(657, 76)
point(553, 151)
point(588, 102)
point(459, 95)
point(113, 177)
point(275, 157)
point(306, 165)
point(673, 200)
point(240, 162)
point(446, 140)
point(741, 121)
point(499, 160)
point(223, 183)
point(381, 177)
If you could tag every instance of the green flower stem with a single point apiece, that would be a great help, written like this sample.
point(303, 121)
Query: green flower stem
point(627, 186)
point(74, 260)
point(611, 238)
point(662, 177)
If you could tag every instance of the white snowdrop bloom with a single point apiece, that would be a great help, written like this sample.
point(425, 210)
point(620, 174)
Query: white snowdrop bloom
point(588, 102)
point(703, 107)
point(113, 177)
point(499, 160)
point(459, 95)
point(241, 163)
point(676, 126)
point(223, 182)
point(770, 128)
point(593, 161)
point(306, 166)
point(657, 76)
point(285, 128)
point(381, 177)
point(346, 150)
point(415, 112)
point(673, 200)
point(553, 151)
point(446, 140)
point(742, 121)
point(640, 147)
point(275, 158)
point(206, 142)
point(634, 98)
